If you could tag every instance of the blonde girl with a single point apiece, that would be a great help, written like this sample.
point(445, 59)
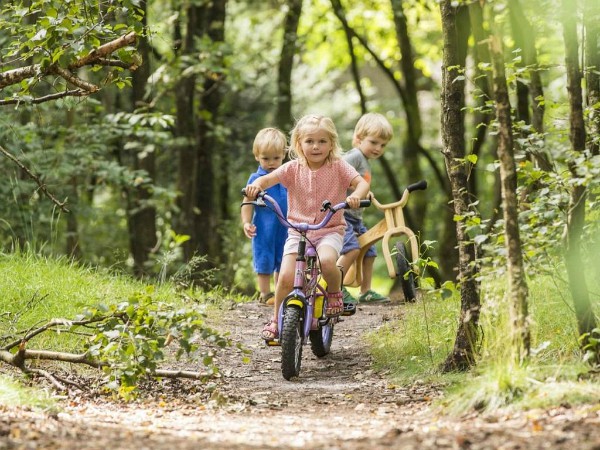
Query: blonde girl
point(316, 172)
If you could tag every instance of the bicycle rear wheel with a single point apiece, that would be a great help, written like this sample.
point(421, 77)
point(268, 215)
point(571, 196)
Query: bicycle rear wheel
point(407, 276)
point(320, 340)
point(291, 342)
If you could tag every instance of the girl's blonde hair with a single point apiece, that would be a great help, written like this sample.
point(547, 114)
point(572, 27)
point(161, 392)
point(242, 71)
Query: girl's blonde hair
point(372, 124)
point(269, 139)
point(308, 124)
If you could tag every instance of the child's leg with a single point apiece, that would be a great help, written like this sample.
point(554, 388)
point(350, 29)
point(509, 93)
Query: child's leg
point(348, 259)
point(285, 283)
point(264, 283)
point(367, 274)
point(331, 272)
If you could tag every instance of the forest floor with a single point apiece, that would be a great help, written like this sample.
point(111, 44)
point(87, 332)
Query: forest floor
point(338, 402)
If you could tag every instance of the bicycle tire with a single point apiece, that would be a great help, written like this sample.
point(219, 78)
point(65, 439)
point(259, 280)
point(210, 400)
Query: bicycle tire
point(403, 266)
point(291, 342)
point(320, 340)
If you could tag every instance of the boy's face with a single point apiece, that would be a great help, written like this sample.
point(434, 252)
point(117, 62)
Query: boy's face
point(270, 159)
point(371, 146)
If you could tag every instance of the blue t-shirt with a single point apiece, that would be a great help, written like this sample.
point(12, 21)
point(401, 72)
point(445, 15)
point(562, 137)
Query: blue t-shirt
point(267, 245)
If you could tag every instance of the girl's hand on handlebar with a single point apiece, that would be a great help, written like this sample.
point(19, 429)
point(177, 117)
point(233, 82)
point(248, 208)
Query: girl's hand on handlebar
point(353, 201)
point(252, 191)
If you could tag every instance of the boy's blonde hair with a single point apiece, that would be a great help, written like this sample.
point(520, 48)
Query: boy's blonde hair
point(269, 139)
point(307, 124)
point(372, 124)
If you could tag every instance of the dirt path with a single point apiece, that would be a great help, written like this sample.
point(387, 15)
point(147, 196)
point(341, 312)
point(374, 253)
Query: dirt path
point(338, 402)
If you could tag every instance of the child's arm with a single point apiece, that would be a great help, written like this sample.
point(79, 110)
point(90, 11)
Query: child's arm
point(261, 184)
point(247, 211)
point(361, 190)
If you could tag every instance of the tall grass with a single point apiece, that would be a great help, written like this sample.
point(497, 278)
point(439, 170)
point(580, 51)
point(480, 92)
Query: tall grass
point(414, 345)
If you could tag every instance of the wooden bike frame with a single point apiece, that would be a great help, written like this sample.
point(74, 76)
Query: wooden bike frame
point(392, 225)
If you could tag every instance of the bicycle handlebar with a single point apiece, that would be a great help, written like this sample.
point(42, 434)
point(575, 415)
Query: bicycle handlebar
point(331, 210)
point(418, 186)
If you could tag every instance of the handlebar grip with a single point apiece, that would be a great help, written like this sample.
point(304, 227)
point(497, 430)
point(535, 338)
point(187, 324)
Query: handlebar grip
point(418, 186)
point(244, 192)
point(365, 203)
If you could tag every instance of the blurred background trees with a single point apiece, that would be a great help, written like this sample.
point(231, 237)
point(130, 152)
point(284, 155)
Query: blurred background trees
point(151, 165)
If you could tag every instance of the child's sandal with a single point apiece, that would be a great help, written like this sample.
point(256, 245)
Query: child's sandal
point(335, 304)
point(269, 331)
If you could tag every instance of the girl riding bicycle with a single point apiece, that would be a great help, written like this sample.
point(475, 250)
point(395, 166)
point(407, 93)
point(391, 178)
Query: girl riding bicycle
point(315, 173)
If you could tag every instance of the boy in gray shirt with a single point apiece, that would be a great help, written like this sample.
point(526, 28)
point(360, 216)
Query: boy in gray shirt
point(371, 135)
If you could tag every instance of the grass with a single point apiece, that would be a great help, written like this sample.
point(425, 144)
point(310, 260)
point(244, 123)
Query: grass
point(413, 346)
point(36, 289)
point(13, 393)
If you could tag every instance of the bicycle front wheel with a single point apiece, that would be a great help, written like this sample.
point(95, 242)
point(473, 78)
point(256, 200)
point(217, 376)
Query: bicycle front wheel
point(291, 342)
point(407, 276)
point(320, 340)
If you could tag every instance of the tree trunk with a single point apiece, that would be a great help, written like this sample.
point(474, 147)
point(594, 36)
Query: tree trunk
point(453, 141)
point(586, 320)
point(185, 131)
point(524, 36)
point(207, 238)
point(517, 286)
point(284, 118)
point(141, 212)
point(413, 133)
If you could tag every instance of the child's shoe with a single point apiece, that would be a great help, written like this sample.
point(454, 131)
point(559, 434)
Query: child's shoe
point(372, 297)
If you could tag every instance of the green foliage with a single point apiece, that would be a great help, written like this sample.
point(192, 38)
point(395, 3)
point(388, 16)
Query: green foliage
point(48, 32)
point(590, 345)
point(413, 346)
point(129, 339)
point(13, 393)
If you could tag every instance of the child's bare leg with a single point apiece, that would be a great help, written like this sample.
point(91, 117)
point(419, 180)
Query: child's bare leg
point(264, 283)
point(348, 259)
point(285, 281)
point(329, 268)
point(333, 277)
point(367, 274)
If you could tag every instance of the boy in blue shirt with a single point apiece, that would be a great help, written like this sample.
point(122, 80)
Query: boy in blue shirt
point(261, 224)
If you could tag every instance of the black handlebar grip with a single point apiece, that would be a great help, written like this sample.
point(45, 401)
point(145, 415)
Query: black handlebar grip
point(244, 192)
point(365, 203)
point(418, 186)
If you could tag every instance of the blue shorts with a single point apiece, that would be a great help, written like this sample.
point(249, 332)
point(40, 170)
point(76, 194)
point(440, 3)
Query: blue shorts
point(354, 228)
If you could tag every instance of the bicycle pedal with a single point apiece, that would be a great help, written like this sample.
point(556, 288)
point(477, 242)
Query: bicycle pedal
point(349, 309)
point(272, 342)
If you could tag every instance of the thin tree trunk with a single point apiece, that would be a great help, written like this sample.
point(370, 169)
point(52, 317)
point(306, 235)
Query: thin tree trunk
point(463, 354)
point(283, 116)
point(517, 286)
point(414, 131)
point(207, 238)
point(586, 320)
point(524, 35)
point(185, 130)
point(141, 212)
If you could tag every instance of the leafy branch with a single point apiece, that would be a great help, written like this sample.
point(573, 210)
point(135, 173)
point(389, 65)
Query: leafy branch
point(126, 341)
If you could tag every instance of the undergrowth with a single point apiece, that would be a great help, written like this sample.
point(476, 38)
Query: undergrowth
point(130, 322)
point(413, 346)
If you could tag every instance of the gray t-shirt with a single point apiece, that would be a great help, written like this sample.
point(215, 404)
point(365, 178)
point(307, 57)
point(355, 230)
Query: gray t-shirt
point(357, 160)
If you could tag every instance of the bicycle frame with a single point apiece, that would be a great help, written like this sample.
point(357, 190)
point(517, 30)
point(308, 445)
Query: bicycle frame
point(306, 288)
point(392, 225)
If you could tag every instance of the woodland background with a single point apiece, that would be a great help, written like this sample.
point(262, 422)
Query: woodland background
point(135, 161)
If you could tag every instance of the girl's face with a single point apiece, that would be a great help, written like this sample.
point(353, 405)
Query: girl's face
point(270, 159)
point(316, 146)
